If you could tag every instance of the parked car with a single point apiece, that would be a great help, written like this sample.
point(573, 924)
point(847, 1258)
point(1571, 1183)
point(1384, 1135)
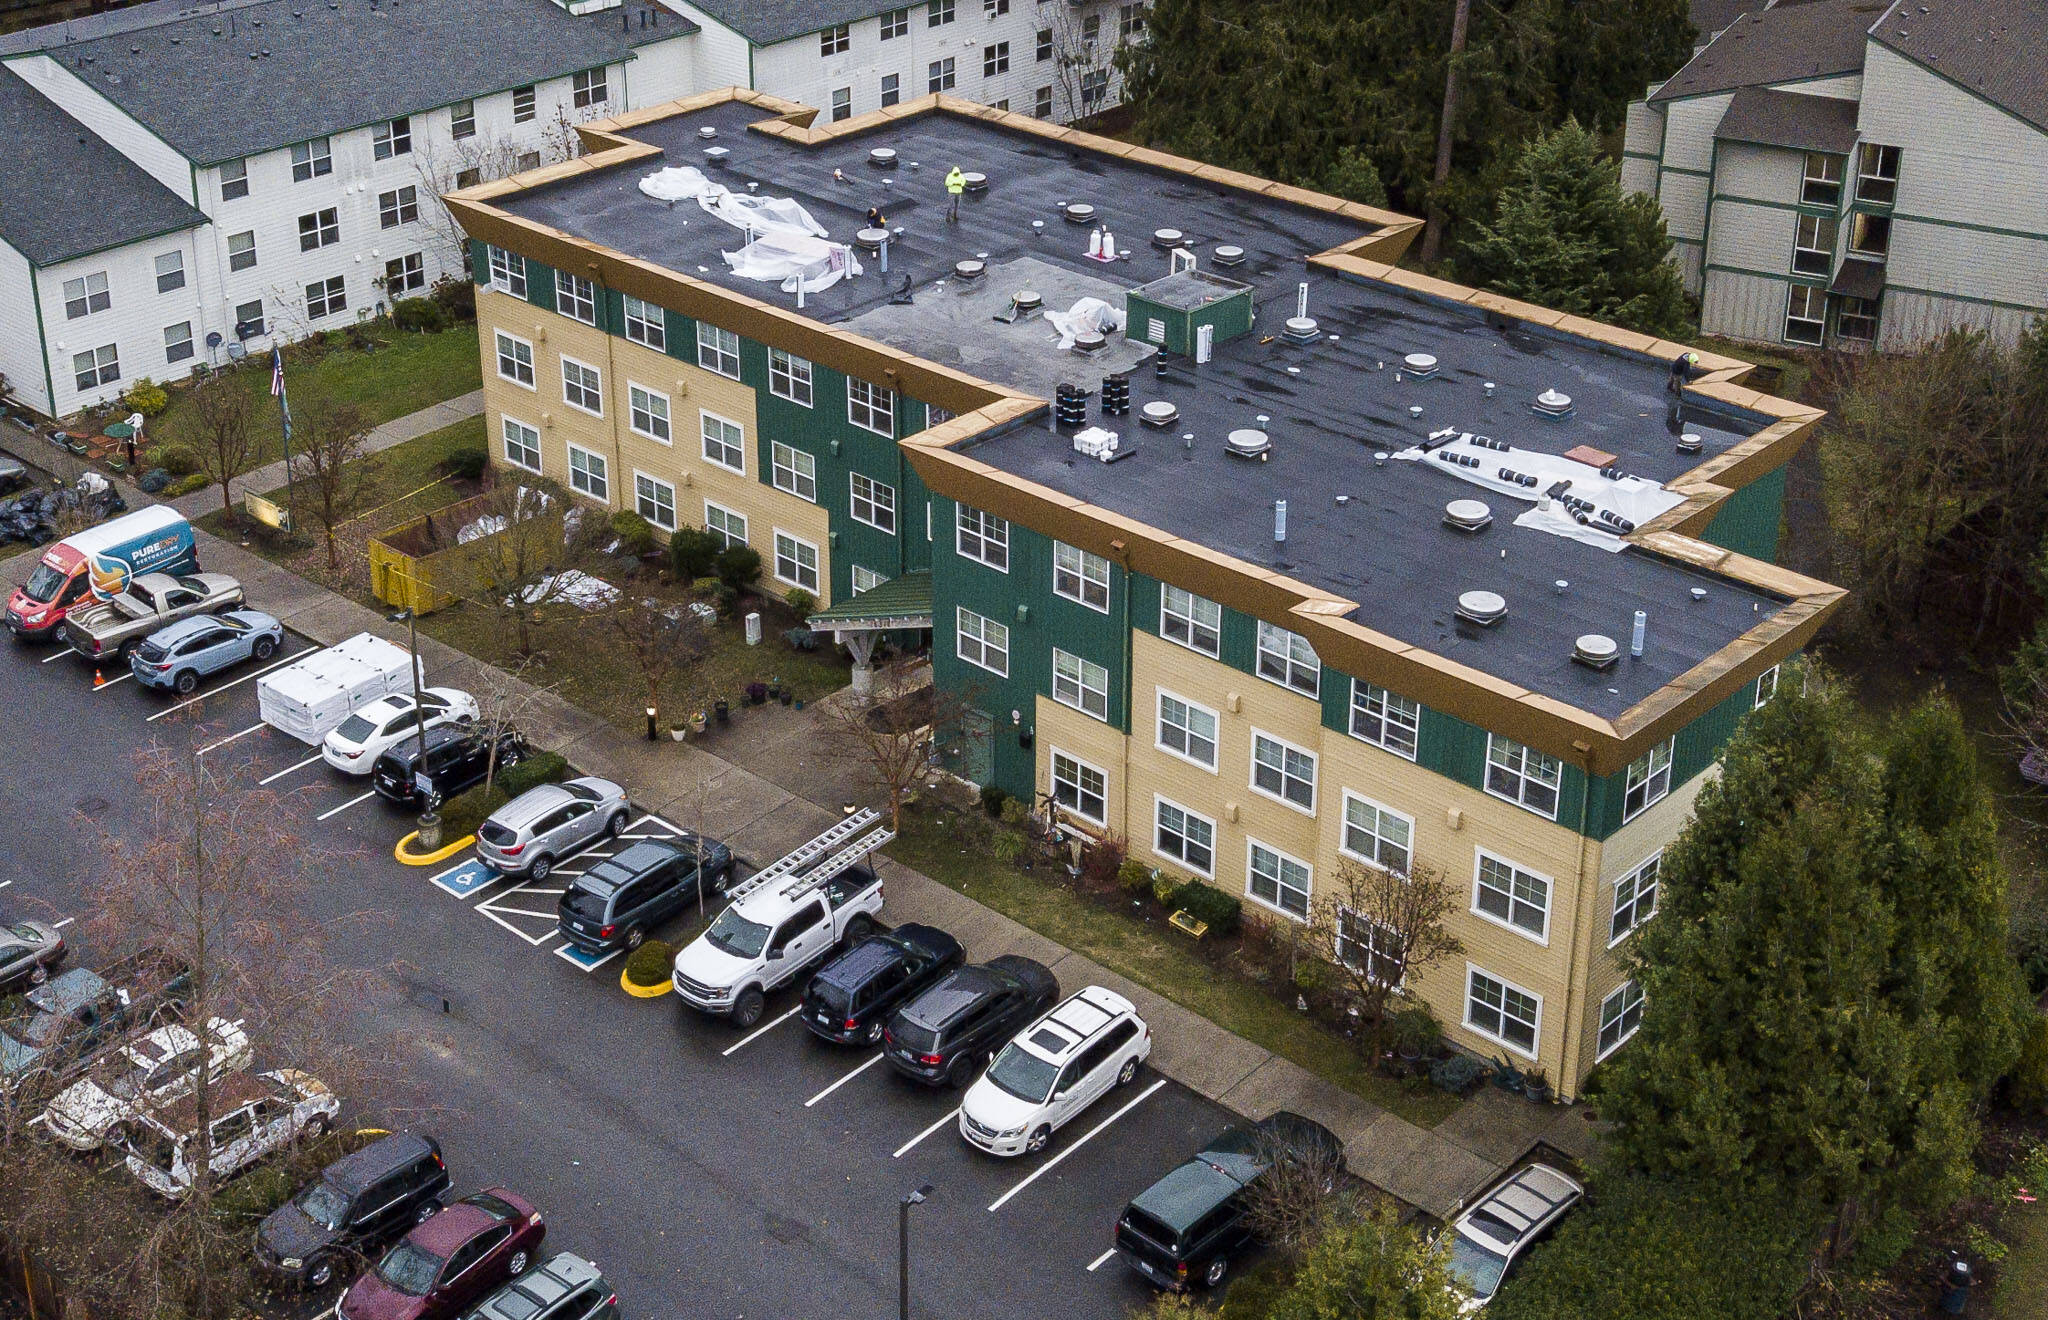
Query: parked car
point(119, 625)
point(565, 1288)
point(257, 1115)
point(1187, 1227)
point(89, 566)
point(13, 476)
point(1054, 1069)
point(852, 997)
point(177, 657)
point(766, 939)
point(945, 1035)
point(143, 1076)
point(354, 745)
point(449, 1261)
point(358, 1202)
point(617, 902)
point(29, 952)
point(546, 823)
point(456, 758)
point(75, 1016)
point(1490, 1237)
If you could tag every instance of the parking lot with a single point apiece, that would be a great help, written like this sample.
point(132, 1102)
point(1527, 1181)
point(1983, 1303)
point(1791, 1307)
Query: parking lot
point(710, 1171)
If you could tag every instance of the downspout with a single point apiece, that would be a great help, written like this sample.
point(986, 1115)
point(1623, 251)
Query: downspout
point(1574, 1010)
point(1124, 645)
point(35, 289)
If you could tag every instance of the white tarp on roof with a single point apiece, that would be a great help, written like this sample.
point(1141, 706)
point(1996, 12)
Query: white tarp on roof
point(1086, 314)
point(784, 242)
point(788, 257)
point(1637, 499)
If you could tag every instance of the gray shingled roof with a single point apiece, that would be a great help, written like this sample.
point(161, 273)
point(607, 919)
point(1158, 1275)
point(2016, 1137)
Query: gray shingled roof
point(765, 22)
point(68, 192)
point(217, 84)
point(1993, 48)
point(1789, 119)
point(1782, 44)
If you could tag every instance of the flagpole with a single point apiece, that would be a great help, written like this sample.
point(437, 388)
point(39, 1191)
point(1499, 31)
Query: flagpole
point(284, 407)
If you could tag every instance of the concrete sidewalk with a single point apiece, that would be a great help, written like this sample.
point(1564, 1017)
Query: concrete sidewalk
point(792, 786)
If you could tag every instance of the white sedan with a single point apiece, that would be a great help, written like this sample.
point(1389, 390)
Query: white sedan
point(354, 746)
point(142, 1077)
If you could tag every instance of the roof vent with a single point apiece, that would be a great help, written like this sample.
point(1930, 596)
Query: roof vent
point(1168, 238)
point(1079, 213)
point(1553, 403)
point(707, 132)
point(1301, 329)
point(1596, 651)
point(870, 240)
point(1090, 341)
point(716, 155)
point(1690, 443)
point(1420, 365)
point(882, 158)
point(977, 182)
point(1159, 413)
point(1482, 607)
point(1026, 300)
point(1247, 442)
point(970, 270)
point(1228, 255)
point(1467, 515)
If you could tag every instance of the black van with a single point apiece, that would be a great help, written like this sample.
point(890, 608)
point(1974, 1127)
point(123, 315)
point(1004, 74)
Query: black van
point(457, 757)
point(358, 1203)
point(851, 997)
point(1187, 1227)
point(617, 902)
point(945, 1035)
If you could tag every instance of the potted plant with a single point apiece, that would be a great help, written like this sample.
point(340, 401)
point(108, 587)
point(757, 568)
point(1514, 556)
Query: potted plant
point(699, 721)
point(1536, 1086)
point(788, 696)
point(757, 692)
point(677, 729)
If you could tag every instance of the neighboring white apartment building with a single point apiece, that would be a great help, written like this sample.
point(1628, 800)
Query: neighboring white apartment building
point(1050, 58)
point(188, 182)
point(1843, 174)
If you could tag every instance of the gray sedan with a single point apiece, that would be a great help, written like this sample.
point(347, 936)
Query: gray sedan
point(542, 826)
point(29, 952)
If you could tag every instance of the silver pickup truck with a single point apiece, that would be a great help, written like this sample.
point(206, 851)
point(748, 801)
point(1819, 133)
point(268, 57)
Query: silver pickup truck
point(118, 626)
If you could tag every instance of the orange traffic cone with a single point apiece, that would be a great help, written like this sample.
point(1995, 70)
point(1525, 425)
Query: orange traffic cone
point(99, 680)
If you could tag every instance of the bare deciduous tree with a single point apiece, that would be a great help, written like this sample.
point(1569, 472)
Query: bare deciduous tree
point(1302, 1191)
point(333, 436)
point(889, 731)
point(1381, 927)
point(445, 167)
point(220, 433)
point(660, 637)
point(521, 563)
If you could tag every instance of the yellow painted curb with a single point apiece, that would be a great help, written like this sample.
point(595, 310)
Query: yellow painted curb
point(644, 991)
point(428, 859)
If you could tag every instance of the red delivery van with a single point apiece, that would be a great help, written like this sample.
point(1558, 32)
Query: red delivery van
point(96, 565)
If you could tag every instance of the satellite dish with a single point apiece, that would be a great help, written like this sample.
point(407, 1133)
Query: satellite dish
point(213, 339)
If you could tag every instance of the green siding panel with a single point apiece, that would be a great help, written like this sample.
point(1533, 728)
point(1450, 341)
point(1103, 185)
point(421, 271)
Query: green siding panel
point(1748, 523)
point(540, 285)
point(479, 261)
point(1695, 748)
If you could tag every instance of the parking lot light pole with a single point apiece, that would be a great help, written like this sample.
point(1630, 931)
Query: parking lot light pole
point(428, 819)
point(903, 1248)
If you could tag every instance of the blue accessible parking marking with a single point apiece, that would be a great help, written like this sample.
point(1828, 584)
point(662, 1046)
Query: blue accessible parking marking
point(588, 961)
point(466, 879)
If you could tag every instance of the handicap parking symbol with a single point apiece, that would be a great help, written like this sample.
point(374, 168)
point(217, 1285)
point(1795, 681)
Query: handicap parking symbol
point(466, 879)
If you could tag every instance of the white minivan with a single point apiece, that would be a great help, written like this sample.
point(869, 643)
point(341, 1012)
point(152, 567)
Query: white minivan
point(1054, 1069)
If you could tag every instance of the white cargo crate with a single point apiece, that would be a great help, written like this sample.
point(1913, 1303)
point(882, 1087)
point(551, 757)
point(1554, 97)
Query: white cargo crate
point(309, 698)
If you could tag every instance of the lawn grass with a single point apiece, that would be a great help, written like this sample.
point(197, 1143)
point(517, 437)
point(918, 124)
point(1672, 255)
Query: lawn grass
point(947, 846)
point(2023, 1276)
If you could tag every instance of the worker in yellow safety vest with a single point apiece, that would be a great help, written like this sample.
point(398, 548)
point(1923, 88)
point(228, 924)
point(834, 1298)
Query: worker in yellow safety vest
point(956, 183)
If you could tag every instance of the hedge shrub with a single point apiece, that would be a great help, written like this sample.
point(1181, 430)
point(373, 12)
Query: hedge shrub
point(1207, 903)
point(649, 964)
point(455, 296)
point(993, 796)
point(418, 314)
point(468, 462)
point(186, 484)
point(537, 769)
point(461, 814)
point(635, 533)
point(146, 397)
point(692, 553)
point(738, 566)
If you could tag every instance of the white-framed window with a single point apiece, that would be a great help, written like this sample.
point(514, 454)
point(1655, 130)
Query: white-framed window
point(1647, 779)
point(575, 297)
point(941, 75)
point(1366, 946)
point(1523, 775)
point(934, 415)
point(522, 444)
point(895, 23)
point(462, 120)
point(582, 386)
point(789, 376)
point(508, 271)
point(1813, 245)
point(1080, 787)
point(96, 366)
point(1095, 82)
point(1870, 235)
point(842, 103)
point(938, 13)
point(1277, 881)
point(1635, 898)
point(655, 500)
point(1620, 1014)
point(406, 274)
point(865, 579)
point(1287, 659)
point(326, 297)
point(836, 40)
point(1080, 683)
point(995, 8)
point(311, 159)
point(1856, 318)
point(400, 206)
point(587, 473)
point(1043, 45)
point(725, 442)
point(1806, 314)
point(522, 104)
point(795, 471)
point(982, 537)
point(178, 342)
point(170, 271)
point(515, 360)
point(981, 641)
point(647, 413)
point(870, 407)
point(872, 502)
point(234, 179)
point(1130, 21)
point(1282, 770)
point(728, 525)
point(242, 250)
point(85, 295)
point(718, 350)
point(1041, 103)
point(1820, 183)
point(1384, 719)
point(995, 59)
point(796, 562)
point(1080, 576)
point(319, 229)
point(1502, 1012)
point(1091, 28)
point(1877, 174)
point(1766, 686)
point(1193, 621)
point(645, 323)
point(892, 88)
point(588, 88)
point(1510, 896)
point(1184, 836)
point(1187, 729)
point(1377, 834)
point(392, 138)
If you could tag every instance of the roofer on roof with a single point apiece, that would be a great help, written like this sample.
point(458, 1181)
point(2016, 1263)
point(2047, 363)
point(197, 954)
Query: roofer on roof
point(956, 183)
point(1682, 368)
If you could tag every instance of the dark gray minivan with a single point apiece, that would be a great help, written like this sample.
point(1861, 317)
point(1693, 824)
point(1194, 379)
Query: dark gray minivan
point(617, 902)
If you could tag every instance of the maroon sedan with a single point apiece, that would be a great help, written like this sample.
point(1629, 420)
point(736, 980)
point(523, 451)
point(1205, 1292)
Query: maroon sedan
point(449, 1261)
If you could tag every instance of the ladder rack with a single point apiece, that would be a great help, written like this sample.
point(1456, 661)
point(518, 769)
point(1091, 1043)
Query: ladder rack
point(832, 843)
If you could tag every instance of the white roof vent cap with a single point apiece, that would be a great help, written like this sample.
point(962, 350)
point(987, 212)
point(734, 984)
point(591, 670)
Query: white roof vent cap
point(1596, 651)
point(1484, 608)
point(1420, 365)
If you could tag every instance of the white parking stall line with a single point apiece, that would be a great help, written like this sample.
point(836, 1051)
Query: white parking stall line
point(535, 940)
point(59, 654)
point(101, 687)
point(904, 1149)
point(518, 911)
point(529, 889)
point(231, 738)
point(346, 805)
point(271, 779)
point(843, 1081)
point(1097, 1263)
point(59, 925)
point(758, 1032)
point(193, 701)
point(5, 883)
point(1054, 1162)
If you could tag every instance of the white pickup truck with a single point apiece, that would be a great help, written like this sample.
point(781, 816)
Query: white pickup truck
point(785, 920)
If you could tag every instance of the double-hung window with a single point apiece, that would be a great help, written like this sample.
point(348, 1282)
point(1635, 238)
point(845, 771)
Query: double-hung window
point(462, 120)
point(406, 274)
point(725, 442)
point(835, 40)
point(872, 502)
point(892, 89)
point(1523, 775)
point(170, 272)
point(1080, 788)
point(1502, 1012)
point(1191, 620)
point(655, 500)
point(1647, 780)
point(1368, 948)
point(1287, 659)
point(1185, 837)
point(242, 250)
point(647, 413)
point(1280, 882)
point(796, 562)
point(400, 206)
point(1080, 683)
point(587, 89)
point(96, 366)
point(1806, 314)
point(789, 376)
point(984, 538)
point(582, 386)
point(587, 473)
point(1870, 235)
point(515, 360)
point(326, 297)
point(995, 59)
point(311, 159)
point(234, 179)
point(645, 324)
point(726, 524)
point(895, 23)
point(941, 75)
point(1635, 898)
point(575, 297)
point(718, 350)
point(1821, 183)
point(319, 229)
point(1877, 174)
point(1187, 730)
point(938, 13)
point(522, 104)
point(508, 271)
point(178, 342)
point(1511, 896)
point(795, 471)
point(392, 138)
point(870, 407)
point(1384, 719)
point(1813, 245)
point(522, 445)
point(982, 641)
point(1374, 834)
point(1080, 576)
point(1282, 770)
point(85, 295)
point(1620, 1014)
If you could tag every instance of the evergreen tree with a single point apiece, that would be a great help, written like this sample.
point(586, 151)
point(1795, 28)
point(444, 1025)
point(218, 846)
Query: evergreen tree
point(1372, 1267)
point(1565, 236)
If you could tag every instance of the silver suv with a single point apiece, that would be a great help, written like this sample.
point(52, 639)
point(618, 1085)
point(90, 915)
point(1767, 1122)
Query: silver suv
point(565, 1288)
point(541, 826)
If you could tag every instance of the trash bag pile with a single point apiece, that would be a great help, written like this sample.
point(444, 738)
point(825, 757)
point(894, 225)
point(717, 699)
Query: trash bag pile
point(33, 517)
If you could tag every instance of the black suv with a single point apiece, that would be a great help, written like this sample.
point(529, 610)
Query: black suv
point(456, 758)
point(945, 1034)
point(1187, 1226)
point(851, 997)
point(358, 1203)
point(616, 902)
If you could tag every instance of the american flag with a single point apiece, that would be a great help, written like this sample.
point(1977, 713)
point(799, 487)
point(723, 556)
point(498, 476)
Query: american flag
point(276, 372)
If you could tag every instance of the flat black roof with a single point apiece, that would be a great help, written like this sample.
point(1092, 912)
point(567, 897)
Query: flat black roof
point(1331, 404)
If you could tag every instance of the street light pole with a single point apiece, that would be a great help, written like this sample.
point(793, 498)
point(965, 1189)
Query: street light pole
point(903, 1248)
point(419, 711)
